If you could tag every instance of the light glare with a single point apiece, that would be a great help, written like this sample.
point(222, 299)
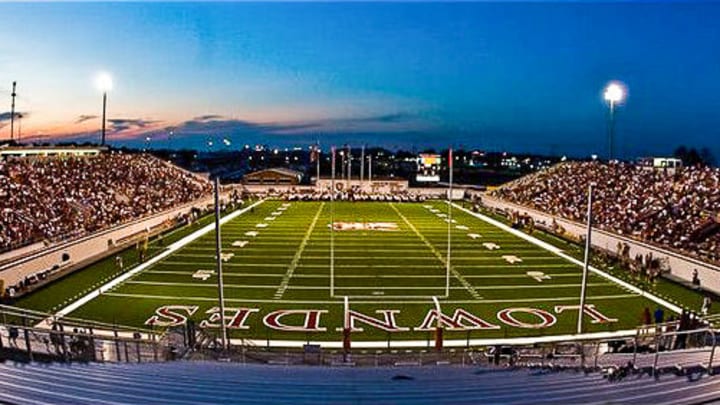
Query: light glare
point(614, 92)
point(104, 82)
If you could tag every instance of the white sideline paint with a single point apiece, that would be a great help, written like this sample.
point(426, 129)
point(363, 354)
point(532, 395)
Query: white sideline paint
point(155, 259)
point(411, 299)
point(384, 344)
point(559, 252)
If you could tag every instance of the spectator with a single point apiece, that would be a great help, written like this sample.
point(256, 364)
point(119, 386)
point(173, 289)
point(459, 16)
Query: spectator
point(55, 198)
point(659, 315)
point(706, 304)
point(677, 210)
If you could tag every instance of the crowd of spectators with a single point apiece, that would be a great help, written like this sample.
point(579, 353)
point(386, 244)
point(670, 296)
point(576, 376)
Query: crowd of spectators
point(55, 198)
point(353, 194)
point(677, 209)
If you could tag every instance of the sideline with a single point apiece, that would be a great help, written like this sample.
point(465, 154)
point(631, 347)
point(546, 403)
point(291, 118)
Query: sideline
point(172, 248)
point(427, 343)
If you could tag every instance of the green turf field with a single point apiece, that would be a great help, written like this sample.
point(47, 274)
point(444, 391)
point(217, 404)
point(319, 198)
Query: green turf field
point(286, 266)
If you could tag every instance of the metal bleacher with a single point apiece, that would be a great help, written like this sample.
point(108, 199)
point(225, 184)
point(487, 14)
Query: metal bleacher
point(185, 382)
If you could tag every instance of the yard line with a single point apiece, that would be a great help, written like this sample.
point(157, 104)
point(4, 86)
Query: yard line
point(439, 256)
point(172, 248)
point(386, 301)
point(557, 251)
point(321, 287)
point(296, 259)
point(206, 264)
point(190, 273)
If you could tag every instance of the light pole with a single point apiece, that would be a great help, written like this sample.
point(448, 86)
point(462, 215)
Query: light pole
point(12, 112)
point(614, 94)
point(104, 83)
point(586, 262)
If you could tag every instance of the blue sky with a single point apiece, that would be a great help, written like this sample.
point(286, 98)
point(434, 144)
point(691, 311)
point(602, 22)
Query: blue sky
point(492, 75)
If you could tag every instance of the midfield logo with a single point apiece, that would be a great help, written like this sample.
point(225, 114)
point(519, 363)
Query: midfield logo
point(365, 226)
point(309, 320)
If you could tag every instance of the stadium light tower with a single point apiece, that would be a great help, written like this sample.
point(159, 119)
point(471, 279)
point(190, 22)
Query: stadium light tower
point(104, 83)
point(614, 94)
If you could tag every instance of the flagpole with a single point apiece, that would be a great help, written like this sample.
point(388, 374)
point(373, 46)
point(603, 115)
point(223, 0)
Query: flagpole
point(332, 224)
point(218, 252)
point(449, 218)
point(349, 167)
point(370, 169)
point(586, 264)
point(362, 163)
point(317, 157)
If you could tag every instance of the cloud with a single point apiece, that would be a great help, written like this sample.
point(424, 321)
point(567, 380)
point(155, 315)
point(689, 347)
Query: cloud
point(208, 117)
point(5, 117)
point(125, 124)
point(84, 118)
point(395, 127)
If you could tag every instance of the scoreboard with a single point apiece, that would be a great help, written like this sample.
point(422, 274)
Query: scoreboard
point(428, 168)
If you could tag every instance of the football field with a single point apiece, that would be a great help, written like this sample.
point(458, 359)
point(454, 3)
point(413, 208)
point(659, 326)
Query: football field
point(388, 259)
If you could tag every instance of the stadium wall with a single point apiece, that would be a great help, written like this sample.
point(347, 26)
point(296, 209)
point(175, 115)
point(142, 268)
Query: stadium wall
point(681, 266)
point(431, 192)
point(78, 252)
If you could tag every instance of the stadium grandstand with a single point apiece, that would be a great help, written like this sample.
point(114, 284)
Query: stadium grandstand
point(53, 198)
point(371, 203)
point(677, 209)
point(646, 337)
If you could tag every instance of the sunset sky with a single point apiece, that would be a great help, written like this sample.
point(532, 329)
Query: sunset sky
point(511, 75)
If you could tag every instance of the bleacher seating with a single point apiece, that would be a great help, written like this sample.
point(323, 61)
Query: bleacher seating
point(674, 209)
point(212, 382)
point(56, 198)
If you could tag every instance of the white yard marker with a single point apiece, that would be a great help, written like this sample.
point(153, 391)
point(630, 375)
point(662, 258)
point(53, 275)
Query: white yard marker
point(512, 259)
point(441, 215)
point(172, 248)
point(557, 251)
point(428, 206)
point(263, 225)
point(491, 246)
point(276, 213)
point(461, 227)
point(226, 256)
point(240, 243)
point(538, 275)
point(269, 219)
point(474, 235)
point(252, 233)
point(203, 274)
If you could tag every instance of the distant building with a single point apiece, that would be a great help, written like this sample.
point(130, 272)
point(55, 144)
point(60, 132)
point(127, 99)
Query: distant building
point(660, 162)
point(38, 151)
point(278, 175)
